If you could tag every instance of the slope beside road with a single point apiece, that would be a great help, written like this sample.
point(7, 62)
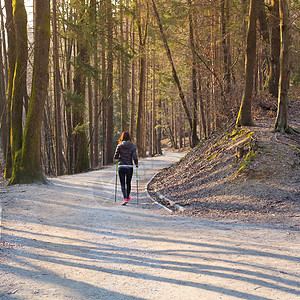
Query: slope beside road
point(70, 240)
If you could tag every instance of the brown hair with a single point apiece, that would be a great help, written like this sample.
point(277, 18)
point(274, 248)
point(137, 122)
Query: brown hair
point(125, 136)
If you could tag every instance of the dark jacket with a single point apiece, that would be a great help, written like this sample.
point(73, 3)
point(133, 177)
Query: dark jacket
point(125, 153)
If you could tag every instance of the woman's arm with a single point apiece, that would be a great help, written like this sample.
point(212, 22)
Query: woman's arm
point(117, 153)
point(135, 158)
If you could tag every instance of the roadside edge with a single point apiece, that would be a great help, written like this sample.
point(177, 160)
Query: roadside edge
point(176, 207)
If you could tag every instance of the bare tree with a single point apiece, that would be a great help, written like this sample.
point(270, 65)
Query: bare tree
point(81, 145)
point(3, 101)
point(195, 138)
point(109, 91)
point(244, 116)
point(57, 102)
point(275, 48)
point(281, 119)
point(141, 118)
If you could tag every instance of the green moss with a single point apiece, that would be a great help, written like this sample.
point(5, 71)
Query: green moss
point(23, 174)
point(251, 148)
point(16, 173)
point(225, 137)
point(27, 167)
point(295, 165)
point(211, 157)
point(82, 160)
point(237, 132)
point(238, 171)
point(196, 160)
point(79, 128)
point(295, 148)
point(9, 163)
point(251, 155)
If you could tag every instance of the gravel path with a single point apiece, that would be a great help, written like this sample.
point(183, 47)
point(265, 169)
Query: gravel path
point(70, 240)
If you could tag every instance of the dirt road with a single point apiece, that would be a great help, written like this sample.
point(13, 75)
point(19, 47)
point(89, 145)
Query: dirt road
point(70, 240)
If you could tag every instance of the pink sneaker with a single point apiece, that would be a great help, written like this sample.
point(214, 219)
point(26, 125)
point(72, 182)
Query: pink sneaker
point(128, 199)
point(125, 201)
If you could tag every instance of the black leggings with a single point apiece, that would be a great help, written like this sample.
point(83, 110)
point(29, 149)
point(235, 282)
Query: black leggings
point(125, 174)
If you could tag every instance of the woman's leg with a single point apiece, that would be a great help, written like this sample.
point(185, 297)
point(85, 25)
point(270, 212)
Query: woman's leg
point(128, 181)
point(122, 173)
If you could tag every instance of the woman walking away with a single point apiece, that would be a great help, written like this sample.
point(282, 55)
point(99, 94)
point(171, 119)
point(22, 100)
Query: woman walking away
point(126, 153)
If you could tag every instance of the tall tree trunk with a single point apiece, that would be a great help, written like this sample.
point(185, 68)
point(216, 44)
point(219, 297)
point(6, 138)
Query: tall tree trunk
point(174, 124)
point(140, 123)
point(29, 168)
point(70, 140)
point(96, 116)
point(50, 138)
point(126, 75)
point(57, 91)
point(262, 17)
point(90, 88)
point(214, 77)
point(141, 116)
point(203, 120)
point(201, 105)
point(168, 126)
point(159, 129)
point(133, 83)
point(228, 44)
point(5, 62)
point(159, 119)
point(195, 139)
point(104, 107)
point(81, 145)
point(123, 68)
point(153, 121)
point(48, 165)
point(275, 49)
point(3, 101)
point(281, 119)
point(11, 38)
point(244, 117)
point(103, 82)
point(175, 76)
point(19, 81)
point(110, 100)
point(179, 108)
point(91, 133)
point(96, 86)
point(149, 129)
point(225, 46)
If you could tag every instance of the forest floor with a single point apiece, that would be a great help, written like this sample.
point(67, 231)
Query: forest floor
point(250, 174)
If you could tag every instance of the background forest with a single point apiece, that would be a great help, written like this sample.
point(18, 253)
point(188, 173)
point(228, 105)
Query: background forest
point(81, 72)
